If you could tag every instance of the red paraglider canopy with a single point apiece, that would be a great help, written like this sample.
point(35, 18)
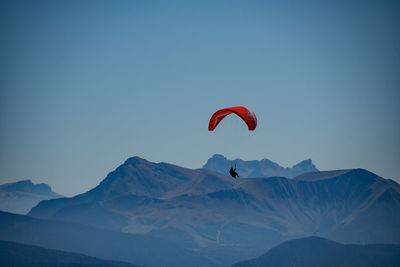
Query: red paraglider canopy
point(246, 114)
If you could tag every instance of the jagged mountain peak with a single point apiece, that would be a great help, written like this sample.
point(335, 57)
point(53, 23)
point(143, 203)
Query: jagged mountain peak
point(307, 163)
point(21, 196)
point(26, 182)
point(257, 168)
point(268, 162)
point(28, 187)
point(136, 160)
point(218, 156)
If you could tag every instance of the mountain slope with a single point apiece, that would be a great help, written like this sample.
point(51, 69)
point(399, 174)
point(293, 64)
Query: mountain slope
point(255, 168)
point(315, 251)
point(319, 175)
point(16, 254)
point(20, 197)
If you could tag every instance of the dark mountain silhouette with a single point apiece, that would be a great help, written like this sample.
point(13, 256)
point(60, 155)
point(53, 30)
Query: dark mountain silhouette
point(94, 242)
point(228, 219)
point(315, 251)
point(258, 168)
point(17, 254)
point(20, 197)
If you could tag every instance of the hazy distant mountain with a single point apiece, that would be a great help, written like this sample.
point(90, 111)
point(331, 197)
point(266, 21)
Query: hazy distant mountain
point(17, 254)
point(100, 243)
point(258, 168)
point(20, 197)
point(228, 219)
point(315, 251)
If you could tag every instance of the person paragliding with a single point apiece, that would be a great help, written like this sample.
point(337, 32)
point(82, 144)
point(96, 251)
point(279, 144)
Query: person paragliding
point(244, 113)
point(233, 172)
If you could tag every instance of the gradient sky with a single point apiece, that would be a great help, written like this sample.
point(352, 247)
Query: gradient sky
point(87, 84)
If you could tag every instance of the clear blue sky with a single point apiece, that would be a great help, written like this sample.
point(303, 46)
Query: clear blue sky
point(87, 84)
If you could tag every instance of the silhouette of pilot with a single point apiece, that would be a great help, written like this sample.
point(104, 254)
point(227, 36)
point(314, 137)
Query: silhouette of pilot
point(233, 172)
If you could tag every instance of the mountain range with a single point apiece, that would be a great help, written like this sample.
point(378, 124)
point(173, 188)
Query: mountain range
point(258, 168)
point(227, 220)
point(316, 251)
point(20, 197)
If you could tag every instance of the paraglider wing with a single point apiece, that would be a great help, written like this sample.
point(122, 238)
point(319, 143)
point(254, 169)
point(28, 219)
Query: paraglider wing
point(246, 114)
